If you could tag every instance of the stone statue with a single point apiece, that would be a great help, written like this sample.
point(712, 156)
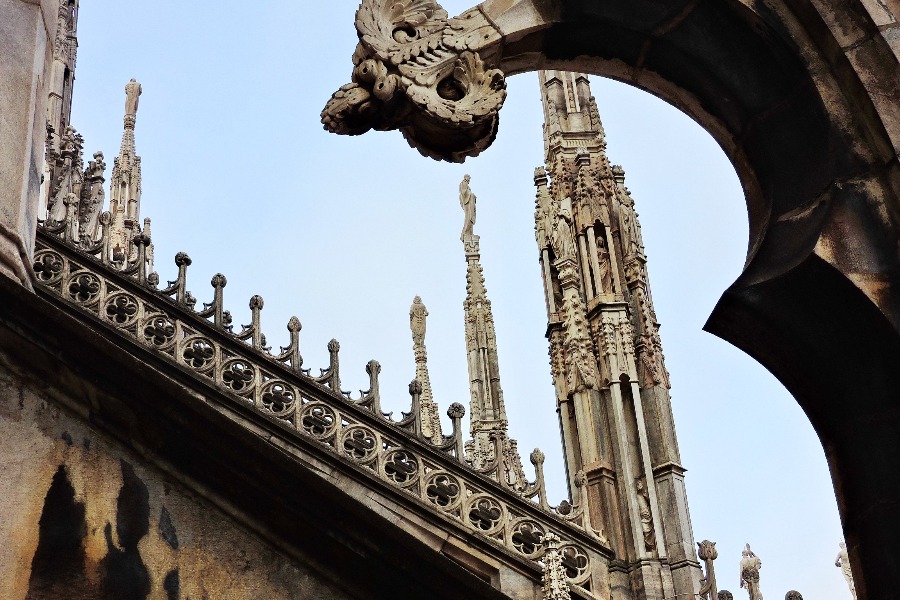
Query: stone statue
point(467, 202)
point(562, 239)
point(750, 566)
point(92, 199)
point(417, 314)
point(553, 126)
point(843, 562)
point(90, 227)
point(627, 226)
point(646, 515)
point(594, 113)
point(604, 261)
point(132, 95)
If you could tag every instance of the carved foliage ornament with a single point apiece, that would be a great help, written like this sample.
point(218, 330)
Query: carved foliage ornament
point(420, 72)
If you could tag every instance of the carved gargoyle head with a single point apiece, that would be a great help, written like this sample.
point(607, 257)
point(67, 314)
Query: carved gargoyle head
point(428, 76)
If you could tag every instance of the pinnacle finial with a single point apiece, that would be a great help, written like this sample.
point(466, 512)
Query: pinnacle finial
point(429, 417)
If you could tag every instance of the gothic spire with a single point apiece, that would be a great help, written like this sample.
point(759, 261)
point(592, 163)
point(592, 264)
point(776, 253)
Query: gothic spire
point(488, 420)
point(431, 421)
point(125, 185)
point(606, 359)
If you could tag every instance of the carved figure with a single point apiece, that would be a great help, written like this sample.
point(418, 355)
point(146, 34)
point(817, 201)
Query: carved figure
point(562, 239)
point(750, 566)
point(91, 224)
point(417, 314)
point(467, 202)
point(646, 515)
point(553, 126)
point(594, 113)
point(92, 199)
point(68, 174)
point(626, 212)
point(423, 73)
point(842, 560)
point(132, 95)
point(604, 261)
point(579, 361)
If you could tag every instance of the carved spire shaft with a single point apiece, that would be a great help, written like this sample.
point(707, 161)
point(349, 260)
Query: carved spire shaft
point(488, 421)
point(125, 185)
point(62, 73)
point(618, 435)
point(481, 345)
point(428, 409)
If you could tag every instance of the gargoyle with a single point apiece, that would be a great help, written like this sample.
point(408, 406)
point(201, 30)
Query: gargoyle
point(425, 74)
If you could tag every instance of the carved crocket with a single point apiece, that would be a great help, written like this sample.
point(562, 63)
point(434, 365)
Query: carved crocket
point(425, 74)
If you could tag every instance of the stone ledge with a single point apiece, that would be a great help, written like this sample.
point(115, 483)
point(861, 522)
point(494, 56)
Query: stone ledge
point(243, 474)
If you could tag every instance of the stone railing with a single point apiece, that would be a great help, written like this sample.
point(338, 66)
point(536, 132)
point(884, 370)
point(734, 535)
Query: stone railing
point(356, 429)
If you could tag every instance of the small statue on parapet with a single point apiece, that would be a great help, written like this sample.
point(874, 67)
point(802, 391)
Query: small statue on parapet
point(750, 566)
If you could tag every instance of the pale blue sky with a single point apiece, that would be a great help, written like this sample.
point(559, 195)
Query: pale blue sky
point(343, 232)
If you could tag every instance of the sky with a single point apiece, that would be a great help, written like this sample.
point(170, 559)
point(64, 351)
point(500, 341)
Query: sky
point(343, 232)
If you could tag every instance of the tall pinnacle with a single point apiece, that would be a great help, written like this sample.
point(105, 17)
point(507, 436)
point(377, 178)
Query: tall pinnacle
point(612, 398)
point(431, 421)
point(488, 420)
point(125, 184)
point(132, 96)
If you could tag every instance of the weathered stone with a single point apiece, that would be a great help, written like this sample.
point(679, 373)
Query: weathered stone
point(749, 568)
point(802, 98)
point(27, 34)
point(606, 354)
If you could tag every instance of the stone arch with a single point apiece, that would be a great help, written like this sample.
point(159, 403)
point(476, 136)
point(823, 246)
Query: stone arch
point(802, 97)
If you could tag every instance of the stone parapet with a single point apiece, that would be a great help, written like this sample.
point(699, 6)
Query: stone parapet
point(385, 458)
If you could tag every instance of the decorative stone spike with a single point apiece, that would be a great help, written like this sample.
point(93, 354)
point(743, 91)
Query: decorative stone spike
point(125, 183)
point(332, 375)
point(292, 352)
point(456, 412)
point(428, 413)
point(707, 552)
point(256, 306)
